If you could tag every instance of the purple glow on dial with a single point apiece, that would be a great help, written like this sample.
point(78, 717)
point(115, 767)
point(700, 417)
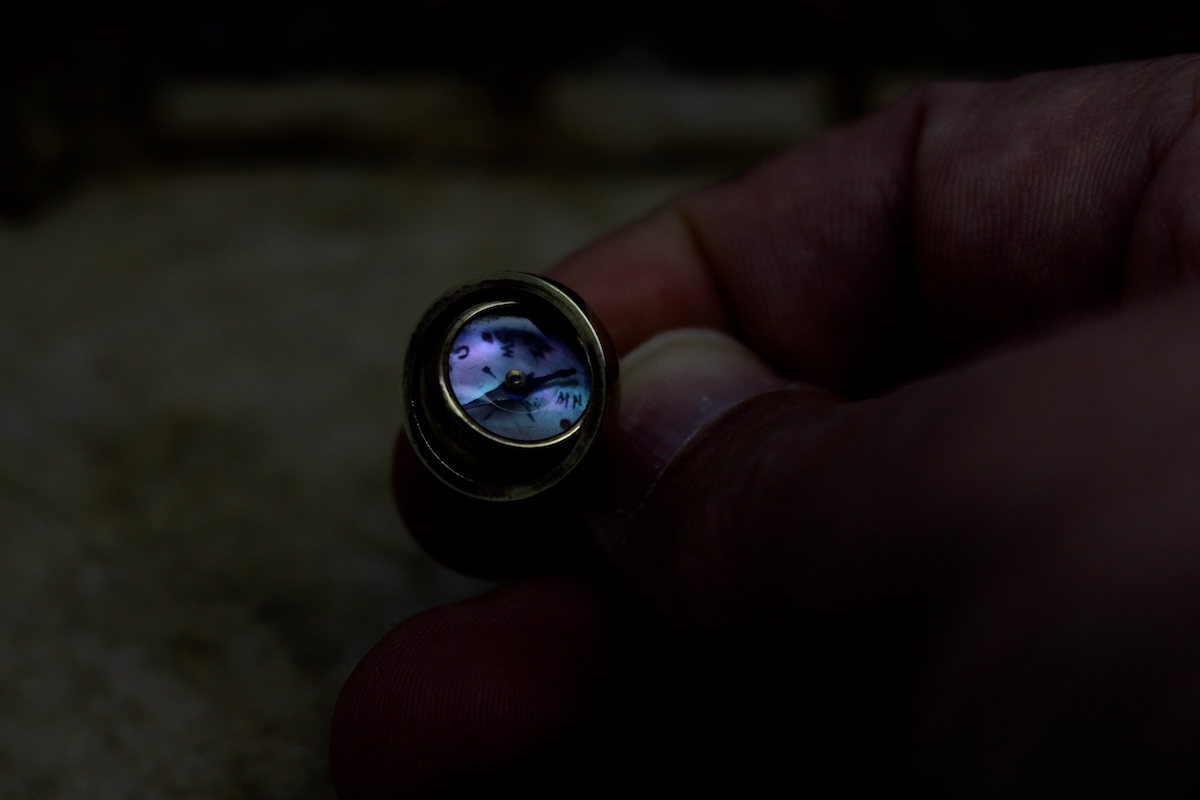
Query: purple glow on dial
point(516, 381)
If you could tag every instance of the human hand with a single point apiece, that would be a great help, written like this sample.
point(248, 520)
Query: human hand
point(929, 520)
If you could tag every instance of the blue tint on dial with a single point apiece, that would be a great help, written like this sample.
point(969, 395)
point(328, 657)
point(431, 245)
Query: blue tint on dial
point(515, 381)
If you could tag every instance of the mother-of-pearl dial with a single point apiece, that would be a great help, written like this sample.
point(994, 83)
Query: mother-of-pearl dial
point(515, 380)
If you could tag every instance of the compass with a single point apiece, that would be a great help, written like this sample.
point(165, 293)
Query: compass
point(508, 382)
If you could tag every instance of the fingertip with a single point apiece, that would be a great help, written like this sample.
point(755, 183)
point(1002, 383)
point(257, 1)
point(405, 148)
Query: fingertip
point(717, 517)
point(485, 693)
point(671, 387)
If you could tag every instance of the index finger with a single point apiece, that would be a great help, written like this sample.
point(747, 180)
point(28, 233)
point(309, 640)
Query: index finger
point(964, 214)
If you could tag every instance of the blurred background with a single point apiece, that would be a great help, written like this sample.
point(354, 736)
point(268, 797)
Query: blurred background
point(217, 228)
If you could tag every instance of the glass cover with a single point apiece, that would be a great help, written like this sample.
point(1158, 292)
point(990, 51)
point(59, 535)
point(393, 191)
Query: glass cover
point(514, 380)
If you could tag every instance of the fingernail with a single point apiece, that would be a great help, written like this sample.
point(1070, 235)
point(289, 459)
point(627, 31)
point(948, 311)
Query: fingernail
point(670, 387)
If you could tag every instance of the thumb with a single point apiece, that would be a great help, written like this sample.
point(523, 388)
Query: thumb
point(672, 386)
point(697, 407)
point(701, 464)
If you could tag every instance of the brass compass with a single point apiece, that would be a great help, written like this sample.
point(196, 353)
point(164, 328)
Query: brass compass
point(508, 381)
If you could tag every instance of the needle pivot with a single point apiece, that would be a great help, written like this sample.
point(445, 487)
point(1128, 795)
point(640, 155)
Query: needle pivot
point(514, 381)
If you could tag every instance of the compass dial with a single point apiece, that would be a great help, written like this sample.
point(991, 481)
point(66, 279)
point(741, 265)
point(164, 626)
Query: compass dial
point(516, 381)
point(508, 382)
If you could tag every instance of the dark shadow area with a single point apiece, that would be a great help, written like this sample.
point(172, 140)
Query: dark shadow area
point(84, 93)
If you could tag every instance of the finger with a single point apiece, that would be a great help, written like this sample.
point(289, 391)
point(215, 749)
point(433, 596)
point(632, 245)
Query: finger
point(1008, 552)
point(673, 385)
point(547, 688)
point(488, 693)
point(964, 214)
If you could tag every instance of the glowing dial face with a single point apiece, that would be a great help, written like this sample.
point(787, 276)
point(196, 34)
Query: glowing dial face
point(516, 381)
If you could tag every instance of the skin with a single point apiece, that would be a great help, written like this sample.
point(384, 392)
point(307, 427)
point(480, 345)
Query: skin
point(948, 546)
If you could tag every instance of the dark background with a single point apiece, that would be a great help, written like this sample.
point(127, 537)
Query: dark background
point(83, 90)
